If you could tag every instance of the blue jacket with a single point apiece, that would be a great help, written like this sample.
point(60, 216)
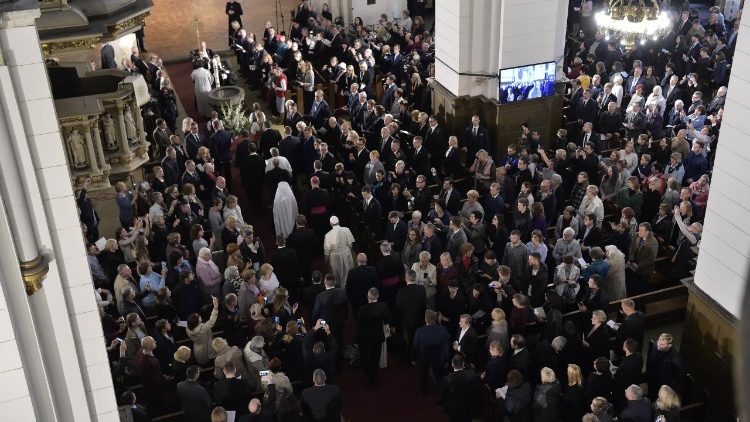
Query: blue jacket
point(600, 267)
point(695, 166)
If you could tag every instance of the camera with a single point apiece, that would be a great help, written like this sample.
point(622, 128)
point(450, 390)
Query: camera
point(322, 323)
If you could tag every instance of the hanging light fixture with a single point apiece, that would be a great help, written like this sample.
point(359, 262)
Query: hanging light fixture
point(633, 21)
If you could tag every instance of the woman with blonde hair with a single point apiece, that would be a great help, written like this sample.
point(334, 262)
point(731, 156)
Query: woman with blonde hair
point(546, 397)
point(186, 122)
point(498, 330)
point(268, 282)
point(572, 397)
point(279, 309)
point(180, 363)
point(667, 404)
point(233, 208)
point(426, 276)
point(615, 282)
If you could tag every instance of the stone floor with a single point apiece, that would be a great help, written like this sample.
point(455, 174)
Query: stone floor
point(170, 32)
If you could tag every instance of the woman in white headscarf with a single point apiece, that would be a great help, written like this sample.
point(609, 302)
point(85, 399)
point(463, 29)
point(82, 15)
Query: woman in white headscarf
point(284, 210)
point(615, 283)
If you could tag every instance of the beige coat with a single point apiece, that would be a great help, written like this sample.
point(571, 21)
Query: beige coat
point(202, 338)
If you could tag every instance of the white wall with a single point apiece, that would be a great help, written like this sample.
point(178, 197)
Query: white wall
point(370, 13)
point(724, 258)
point(482, 36)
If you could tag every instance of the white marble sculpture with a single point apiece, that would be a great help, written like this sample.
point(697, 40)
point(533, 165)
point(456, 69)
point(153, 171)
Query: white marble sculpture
point(77, 149)
point(110, 136)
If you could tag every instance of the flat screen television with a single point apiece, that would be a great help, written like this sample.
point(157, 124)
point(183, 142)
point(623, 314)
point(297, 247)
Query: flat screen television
point(527, 82)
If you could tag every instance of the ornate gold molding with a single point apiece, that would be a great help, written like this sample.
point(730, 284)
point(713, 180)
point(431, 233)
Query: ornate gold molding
point(79, 44)
point(118, 28)
point(33, 273)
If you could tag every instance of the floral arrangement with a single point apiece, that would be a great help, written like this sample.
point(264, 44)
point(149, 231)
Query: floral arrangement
point(235, 118)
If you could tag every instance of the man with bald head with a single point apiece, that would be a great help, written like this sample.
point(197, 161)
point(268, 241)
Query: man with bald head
point(154, 381)
point(358, 281)
point(263, 411)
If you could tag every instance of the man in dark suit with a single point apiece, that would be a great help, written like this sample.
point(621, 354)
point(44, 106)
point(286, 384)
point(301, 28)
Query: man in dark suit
point(359, 158)
point(475, 138)
point(629, 371)
point(421, 196)
point(467, 341)
point(269, 138)
point(390, 92)
point(195, 400)
point(326, 158)
point(359, 280)
point(372, 320)
point(587, 110)
point(520, 358)
point(638, 408)
point(221, 141)
point(633, 81)
point(460, 392)
point(192, 176)
point(232, 393)
point(633, 324)
point(287, 268)
point(332, 306)
point(306, 245)
point(420, 162)
point(241, 155)
point(321, 402)
point(588, 135)
point(635, 121)
point(108, 57)
point(372, 212)
point(396, 231)
point(411, 302)
point(319, 111)
point(450, 196)
point(89, 215)
point(664, 367)
point(493, 203)
point(317, 208)
point(430, 349)
point(161, 136)
point(291, 148)
point(435, 142)
point(590, 236)
point(194, 140)
point(275, 176)
point(255, 169)
point(310, 293)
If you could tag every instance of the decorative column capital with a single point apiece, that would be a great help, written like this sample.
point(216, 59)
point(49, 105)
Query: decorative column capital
point(34, 272)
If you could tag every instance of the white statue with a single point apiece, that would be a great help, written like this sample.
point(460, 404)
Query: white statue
point(130, 130)
point(77, 149)
point(109, 131)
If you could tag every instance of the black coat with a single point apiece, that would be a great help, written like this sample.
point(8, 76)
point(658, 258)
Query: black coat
point(459, 393)
point(286, 267)
point(332, 306)
point(599, 385)
point(370, 321)
point(637, 411)
point(496, 372)
point(232, 394)
point(629, 372)
point(598, 343)
point(164, 352)
point(632, 326)
point(411, 303)
point(358, 281)
point(469, 345)
point(196, 402)
point(322, 403)
point(269, 138)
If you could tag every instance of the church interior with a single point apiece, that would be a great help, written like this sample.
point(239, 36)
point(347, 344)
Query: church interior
point(369, 210)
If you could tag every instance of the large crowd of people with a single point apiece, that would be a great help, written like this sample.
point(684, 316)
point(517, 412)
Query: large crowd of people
point(492, 272)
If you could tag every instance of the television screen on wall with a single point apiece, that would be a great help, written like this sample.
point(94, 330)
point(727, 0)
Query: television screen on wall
point(527, 82)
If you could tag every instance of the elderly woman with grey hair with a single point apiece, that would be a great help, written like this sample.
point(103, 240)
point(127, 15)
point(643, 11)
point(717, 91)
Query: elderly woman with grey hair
point(566, 245)
point(232, 280)
point(426, 276)
point(592, 204)
point(255, 357)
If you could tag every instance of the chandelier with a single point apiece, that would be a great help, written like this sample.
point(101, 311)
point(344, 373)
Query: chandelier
point(633, 21)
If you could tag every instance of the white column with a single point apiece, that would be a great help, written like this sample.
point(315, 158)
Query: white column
point(66, 327)
point(479, 37)
point(725, 246)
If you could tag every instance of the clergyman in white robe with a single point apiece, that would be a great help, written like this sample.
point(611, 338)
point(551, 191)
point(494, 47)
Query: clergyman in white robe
point(337, 246)
point(284, 210)
point(203, 81)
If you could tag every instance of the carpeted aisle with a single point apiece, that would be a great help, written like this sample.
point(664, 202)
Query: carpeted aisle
point(396, 396)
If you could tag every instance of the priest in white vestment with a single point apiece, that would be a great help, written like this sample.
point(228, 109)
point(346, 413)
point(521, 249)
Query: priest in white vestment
point(337, 246)
point(284, 210)
point(203, 81)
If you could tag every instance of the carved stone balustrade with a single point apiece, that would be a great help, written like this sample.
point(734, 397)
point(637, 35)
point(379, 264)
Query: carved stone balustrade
point(102, 129)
